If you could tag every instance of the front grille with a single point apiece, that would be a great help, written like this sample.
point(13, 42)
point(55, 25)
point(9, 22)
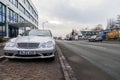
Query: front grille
point(28, 45)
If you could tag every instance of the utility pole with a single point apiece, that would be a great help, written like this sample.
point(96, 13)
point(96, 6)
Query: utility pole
point(43, 23)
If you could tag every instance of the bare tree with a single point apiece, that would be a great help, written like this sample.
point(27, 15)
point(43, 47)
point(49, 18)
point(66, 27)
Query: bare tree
point(73, 32)
point(98, 27)
point(118, 17)
point(110, 24)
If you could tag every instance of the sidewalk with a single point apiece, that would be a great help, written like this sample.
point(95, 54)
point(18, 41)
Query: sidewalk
point(59, 69)
point(2, 44)
point(34, 69)
point(1, 50)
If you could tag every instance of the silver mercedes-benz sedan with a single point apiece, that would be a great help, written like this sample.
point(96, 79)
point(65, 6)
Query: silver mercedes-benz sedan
point(31, 45)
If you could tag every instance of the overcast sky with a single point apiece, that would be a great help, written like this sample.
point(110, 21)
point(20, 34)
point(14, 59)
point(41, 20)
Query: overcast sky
point(65, 15)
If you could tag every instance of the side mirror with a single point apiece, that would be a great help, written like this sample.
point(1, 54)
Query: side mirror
point(19, 35)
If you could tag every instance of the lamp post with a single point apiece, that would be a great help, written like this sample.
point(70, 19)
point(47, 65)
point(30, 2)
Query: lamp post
point(43, 23)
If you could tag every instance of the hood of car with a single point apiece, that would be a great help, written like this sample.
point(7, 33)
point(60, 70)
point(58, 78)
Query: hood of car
point(33, 39)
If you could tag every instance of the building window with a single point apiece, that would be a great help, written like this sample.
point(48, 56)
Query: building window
point(2, 30)
point(27, 13)
point(20, 19)
point(21, 8)
point(14, 2)
point(31, 15)
point(23, 1)
point(27, 4)
point(31, 9)
point(2, 19)
point(16, 18)
point(2, 13)
point(13, 17)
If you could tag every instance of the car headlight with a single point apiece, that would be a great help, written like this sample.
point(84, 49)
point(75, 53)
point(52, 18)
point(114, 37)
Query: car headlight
point(10, 44)
point(48, 44)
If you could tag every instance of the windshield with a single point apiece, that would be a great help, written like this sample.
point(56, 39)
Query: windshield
point(37, 33)
point(93, 36)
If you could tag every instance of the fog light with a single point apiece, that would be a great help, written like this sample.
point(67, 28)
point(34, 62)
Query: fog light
point(8, 54)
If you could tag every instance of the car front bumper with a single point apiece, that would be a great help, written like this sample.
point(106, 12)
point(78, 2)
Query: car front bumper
point(91, 40)
point(38, 54)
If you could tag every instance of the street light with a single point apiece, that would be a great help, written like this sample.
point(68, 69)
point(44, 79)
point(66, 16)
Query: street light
point(43, 23)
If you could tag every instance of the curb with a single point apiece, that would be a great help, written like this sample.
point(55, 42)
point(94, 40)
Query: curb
point(66, 68)
point(2, 58)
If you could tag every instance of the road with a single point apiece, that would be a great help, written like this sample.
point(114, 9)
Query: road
point(92, 60)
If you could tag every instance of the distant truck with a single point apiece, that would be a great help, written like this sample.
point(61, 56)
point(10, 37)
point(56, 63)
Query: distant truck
point(104, 33)
point(113, 35)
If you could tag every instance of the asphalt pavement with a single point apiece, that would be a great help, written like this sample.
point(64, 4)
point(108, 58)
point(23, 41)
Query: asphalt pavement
point(92, 60)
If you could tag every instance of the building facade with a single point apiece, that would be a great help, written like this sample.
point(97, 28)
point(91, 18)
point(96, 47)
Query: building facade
point(16, 15)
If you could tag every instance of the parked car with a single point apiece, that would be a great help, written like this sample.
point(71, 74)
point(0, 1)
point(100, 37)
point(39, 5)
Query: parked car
point(95, 38)
point(31, 45)
point(92, 38)
point(98, 38)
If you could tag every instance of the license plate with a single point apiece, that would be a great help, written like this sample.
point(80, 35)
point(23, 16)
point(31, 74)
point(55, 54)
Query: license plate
point(26, 52)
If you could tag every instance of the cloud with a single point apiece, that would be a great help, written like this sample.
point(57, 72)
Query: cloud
point(69, 13)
